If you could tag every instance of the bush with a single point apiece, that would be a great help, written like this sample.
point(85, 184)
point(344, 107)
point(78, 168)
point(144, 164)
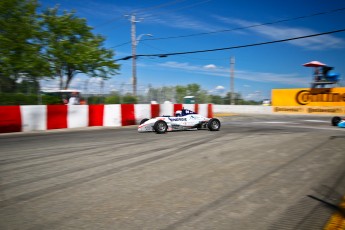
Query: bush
point(31, 99)
point(129, 99)
point(51, 100)
point(94, 100)
point(18, 99)
point(113, 99)
point(34, 99)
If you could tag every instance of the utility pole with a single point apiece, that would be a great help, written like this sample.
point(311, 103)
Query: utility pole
point(135, 42)
point(232, 73)
point(134, 58)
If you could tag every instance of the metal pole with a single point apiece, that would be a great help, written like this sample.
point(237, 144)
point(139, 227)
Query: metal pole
point(232, 76)
point(134, 64)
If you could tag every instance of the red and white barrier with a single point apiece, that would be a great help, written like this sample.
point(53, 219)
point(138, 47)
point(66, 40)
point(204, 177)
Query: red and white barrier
point(45, 117)
point(112, 115)
point(10, 119)
point(34, 117)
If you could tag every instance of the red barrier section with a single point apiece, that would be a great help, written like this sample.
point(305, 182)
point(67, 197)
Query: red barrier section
point(10, 119)
point(57, 116)
point(154, 110)
point(209, 111)
point(196, 108)
point(96, 113)
point(177, 107)
point(127, 114)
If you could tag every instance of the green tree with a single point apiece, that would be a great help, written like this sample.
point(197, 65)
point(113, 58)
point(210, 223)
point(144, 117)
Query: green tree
point(129, 99)
point(216, 99)
point(72, 48)
point(153, 94)
point(20, 47)
point(114, 98)
point(237, 99)
point(193, 90)
point(181, 92)
point(203, 97)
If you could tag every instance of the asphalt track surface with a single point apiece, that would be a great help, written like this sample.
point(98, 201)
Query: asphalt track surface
point(255, 173)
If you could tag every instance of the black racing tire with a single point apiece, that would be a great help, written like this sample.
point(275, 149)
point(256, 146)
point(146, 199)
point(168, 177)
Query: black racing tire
point(199, 126)
point(143, 121)
point(336, 120)
point(160, 127)
point(213, 124)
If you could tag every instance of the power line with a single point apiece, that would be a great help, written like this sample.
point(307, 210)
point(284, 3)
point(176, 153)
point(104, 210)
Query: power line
point(205, 59)
point(239, 28)
point(159, 6)
point(232, 47)
point(185, 7)
point(122, 44)
point(140, 10)
point(247, 27)
point(107, 22)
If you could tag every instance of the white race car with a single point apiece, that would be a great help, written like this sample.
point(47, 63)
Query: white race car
point(183, 120)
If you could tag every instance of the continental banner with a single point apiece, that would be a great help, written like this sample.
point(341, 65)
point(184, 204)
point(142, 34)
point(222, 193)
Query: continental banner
point(309, 100)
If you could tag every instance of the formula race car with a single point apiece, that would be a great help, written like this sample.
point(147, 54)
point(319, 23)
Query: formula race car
point(338, 121)
point(183, 120)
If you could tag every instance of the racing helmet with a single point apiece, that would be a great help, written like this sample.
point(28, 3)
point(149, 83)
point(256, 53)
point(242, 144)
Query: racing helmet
point(178, 113)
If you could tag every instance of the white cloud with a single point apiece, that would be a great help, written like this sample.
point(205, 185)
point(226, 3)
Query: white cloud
point(220, 87)
point(291, 78)
point(283, 32)
point(218, 90)
point(180, 65)
point(175, 20)
point(210, 66)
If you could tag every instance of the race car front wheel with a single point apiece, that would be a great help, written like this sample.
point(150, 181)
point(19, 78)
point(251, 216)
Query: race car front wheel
point(335, 121)
point(213, 124)
point(160, 127)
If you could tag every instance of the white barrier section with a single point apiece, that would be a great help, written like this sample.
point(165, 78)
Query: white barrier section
point(112, 115)
point(257, 109)
point(77, 116)
point(203, 110)
point(142, 111)
point(34, 117)
point(166, 109)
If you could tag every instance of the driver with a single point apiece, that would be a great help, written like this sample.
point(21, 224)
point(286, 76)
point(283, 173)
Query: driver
point(178, 113)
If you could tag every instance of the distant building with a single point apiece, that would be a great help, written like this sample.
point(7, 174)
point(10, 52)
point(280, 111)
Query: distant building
point(189, 100)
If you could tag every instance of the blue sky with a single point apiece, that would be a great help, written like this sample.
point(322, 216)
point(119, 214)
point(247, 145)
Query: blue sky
point(257, 70)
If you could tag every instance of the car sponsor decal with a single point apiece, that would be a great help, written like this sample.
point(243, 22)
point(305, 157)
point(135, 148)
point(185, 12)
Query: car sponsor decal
point(177, 119)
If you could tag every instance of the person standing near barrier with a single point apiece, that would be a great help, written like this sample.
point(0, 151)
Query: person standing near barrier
point(74, 99)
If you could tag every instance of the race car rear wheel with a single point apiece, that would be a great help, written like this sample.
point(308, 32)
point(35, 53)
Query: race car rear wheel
point(143, 121)
point(160, 127)
point(335, 121)
point(213, 124)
